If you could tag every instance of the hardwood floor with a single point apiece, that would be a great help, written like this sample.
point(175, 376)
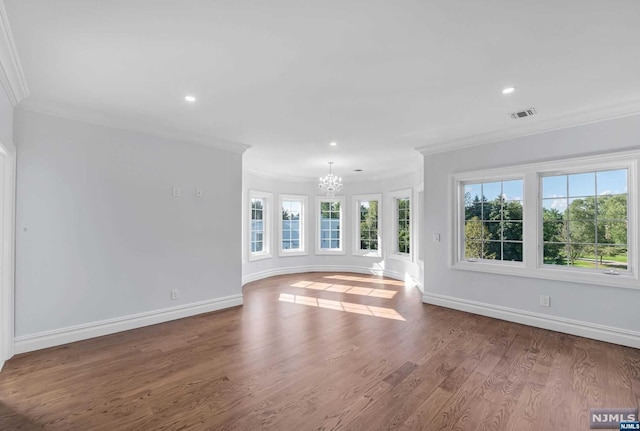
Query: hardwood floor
point(321, 351)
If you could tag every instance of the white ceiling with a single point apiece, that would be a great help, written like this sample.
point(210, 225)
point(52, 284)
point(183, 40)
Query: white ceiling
point(287, 77)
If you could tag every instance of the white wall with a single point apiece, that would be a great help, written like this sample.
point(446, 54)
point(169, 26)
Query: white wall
point(386, 264)
point(608, 313)
point(101, 241)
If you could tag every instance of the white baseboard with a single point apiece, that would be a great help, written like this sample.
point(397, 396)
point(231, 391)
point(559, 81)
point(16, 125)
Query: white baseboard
point(327, 268)
point(56, 337)
point(560, 324)
point(1, 364)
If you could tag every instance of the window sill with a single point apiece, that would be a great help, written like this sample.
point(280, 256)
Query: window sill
point(628, 281)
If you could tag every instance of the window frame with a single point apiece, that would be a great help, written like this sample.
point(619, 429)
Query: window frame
point(572, 168)
point(303, 225)
point(327, 251)
point(356, 250)
point(533, 265)
point(267, 198)
point(394, 251)
point(419, 231)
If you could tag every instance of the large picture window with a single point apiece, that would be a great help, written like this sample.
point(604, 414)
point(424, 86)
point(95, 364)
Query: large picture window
point(584, 219)
point(569, 220)
point(493, 220)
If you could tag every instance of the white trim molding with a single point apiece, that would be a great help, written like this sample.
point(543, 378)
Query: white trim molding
point(11, 74)
point(572, 119)
point(141, 126)
point(559, 324)
point(7, 249)
point(56, 337)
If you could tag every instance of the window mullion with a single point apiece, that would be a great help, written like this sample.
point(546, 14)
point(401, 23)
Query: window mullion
point(532, 222)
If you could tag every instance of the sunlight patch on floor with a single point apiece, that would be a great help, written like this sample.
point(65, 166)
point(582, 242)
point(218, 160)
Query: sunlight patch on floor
point(365, 279)
point(344, 288)
point(349, 307)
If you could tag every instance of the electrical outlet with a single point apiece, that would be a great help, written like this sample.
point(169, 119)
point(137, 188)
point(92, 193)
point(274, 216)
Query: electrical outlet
point(545, 301)
point(175, 294)
point(176, 191)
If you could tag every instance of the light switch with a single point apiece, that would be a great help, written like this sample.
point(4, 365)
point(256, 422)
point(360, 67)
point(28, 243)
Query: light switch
point(175, 191)
point(199, 193)
point(436, 237)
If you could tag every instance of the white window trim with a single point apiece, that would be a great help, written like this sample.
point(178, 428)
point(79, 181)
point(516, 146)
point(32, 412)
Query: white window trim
point(303, 226)
point(532, 265)
point(393, 210)
point(419, 230)
point(356, 225)
point(325, 251)
point(267, 224)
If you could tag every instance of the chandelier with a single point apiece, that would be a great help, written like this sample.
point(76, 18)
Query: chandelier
point(330, 184)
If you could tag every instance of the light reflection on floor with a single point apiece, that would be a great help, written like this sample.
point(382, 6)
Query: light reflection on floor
point(370, 310)
point(344, 288)
point(365, 279)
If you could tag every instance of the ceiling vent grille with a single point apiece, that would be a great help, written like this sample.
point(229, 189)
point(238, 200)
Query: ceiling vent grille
point(521, 114)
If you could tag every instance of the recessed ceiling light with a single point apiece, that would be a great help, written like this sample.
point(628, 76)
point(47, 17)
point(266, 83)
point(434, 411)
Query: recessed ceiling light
point(190, 98)
point(333, 144)
point(508, 90)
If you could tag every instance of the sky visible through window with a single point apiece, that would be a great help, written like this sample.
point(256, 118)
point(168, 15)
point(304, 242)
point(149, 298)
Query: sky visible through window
point(510, 190)
point(556, 190)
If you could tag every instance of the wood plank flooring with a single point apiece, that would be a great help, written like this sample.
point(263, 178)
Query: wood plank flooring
point(321, 351)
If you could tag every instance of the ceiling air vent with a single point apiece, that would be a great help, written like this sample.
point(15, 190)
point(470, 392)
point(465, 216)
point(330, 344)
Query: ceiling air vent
point(526, 113)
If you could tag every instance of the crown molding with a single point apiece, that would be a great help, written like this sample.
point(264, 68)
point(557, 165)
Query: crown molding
point(11, 74)
point(130, 125)
point(544, 125)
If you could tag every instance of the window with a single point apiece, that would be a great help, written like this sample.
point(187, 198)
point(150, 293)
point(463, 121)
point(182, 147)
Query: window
point(259, 225)
point(292, 235)
point(330, 225)
point(584, 220)
point(401, 224)
point(404, 225)
point(367, 224)
point(420, 224)
point(493, 220)
point(569, 220)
